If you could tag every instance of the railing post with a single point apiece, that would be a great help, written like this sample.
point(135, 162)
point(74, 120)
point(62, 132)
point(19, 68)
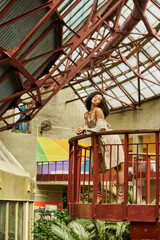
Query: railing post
point(126, 176)
point(75, 179)
point(48, 171)
point(157, 175)
point(55, 171)
point(78, 175)
point(148, 167)
point(89, 173)
point(84, 175)
point(70, 182)
point(95, 174)
point(42, 169)
point(70, 173)
point(137, 162)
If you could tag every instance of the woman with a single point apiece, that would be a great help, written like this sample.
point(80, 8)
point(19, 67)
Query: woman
point(95, 122)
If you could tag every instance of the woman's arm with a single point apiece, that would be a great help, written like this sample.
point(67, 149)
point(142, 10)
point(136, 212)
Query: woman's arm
point(82, 129)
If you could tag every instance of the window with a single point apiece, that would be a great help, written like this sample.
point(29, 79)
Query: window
point(16, 220)
point(11, 220)
point(20, 221)
point(2, 219)
point(24, 126)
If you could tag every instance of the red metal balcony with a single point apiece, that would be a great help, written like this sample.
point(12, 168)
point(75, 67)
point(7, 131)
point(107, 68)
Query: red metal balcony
point(141, 173)
point(52, 171)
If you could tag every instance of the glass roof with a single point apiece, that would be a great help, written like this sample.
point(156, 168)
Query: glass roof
point(107, 45)
point(131, 73)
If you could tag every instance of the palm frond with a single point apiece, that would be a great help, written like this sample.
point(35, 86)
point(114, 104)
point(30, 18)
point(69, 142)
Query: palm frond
point(100, 228)
point(79, 230)
point(122, 228)
point(61, 231)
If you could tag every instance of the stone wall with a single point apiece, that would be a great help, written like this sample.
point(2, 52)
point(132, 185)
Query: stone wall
point(144, 117)
point(65, 118)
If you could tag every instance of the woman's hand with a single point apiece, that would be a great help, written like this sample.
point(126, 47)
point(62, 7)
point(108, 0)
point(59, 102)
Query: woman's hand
point(80, 130)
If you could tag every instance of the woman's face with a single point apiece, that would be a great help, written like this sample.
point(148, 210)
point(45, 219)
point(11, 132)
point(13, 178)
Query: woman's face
point(96, 100)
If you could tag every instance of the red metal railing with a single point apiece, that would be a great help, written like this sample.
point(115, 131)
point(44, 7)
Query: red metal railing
point(52, 171)
point(141, 179)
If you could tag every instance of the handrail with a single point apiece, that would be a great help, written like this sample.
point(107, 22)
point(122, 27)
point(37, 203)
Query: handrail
point(113, 132)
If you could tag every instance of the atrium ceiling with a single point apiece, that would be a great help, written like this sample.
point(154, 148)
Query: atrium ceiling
point(108, 45)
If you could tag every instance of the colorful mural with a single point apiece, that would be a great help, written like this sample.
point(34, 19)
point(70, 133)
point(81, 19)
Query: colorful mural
point(54, 154)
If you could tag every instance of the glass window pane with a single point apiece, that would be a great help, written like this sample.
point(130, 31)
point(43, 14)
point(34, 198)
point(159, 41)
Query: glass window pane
point(2, 219)
point(11, 221)
point(30, 218)
point(20, 221)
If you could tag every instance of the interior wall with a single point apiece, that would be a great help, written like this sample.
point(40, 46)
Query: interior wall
point(144, 117)
point(65, 119)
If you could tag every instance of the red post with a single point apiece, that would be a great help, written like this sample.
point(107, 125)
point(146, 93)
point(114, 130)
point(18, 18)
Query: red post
point(89, 173)
point(75, 171)
point(42, 168)
point(117, 172)
point(95, 173)
point(84, 174)
point(110, 176)
point(70, 196)
point(55, 170)
point(103, 175)
point(62, 167)
point(126, 176)
point(137, 162)
point(133, 165)
point(157, 175)
point(78, 174)
point(148, 177)
point(48, 171)
point(140, 181)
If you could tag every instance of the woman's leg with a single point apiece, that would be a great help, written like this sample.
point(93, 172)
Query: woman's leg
point(120, 184)
point(120, 174)
point(99, 194)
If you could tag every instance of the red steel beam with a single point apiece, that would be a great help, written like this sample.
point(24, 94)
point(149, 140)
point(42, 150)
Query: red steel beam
point(83, 35)
point(91, 14)
point(26, 14)
point(44, 54)
point(118, 16)
point(104, 92)
point(70, 9)
point(14, 52)
point(76, 42)
point(145, 19)
point(7, 7)
point(44, 34)
point(126, 94)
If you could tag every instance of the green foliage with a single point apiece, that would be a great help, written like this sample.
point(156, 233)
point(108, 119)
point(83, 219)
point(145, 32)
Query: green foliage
point(42, 226)
point(62, 215)
point(90, 195)
point(57, 225)
point(113, 190)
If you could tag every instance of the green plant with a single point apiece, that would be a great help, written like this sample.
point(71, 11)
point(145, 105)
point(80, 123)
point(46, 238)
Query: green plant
point(42, 226)
point(57, 225)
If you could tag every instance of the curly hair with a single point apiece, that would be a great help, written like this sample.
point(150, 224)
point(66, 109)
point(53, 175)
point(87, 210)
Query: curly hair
point(103, 105)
